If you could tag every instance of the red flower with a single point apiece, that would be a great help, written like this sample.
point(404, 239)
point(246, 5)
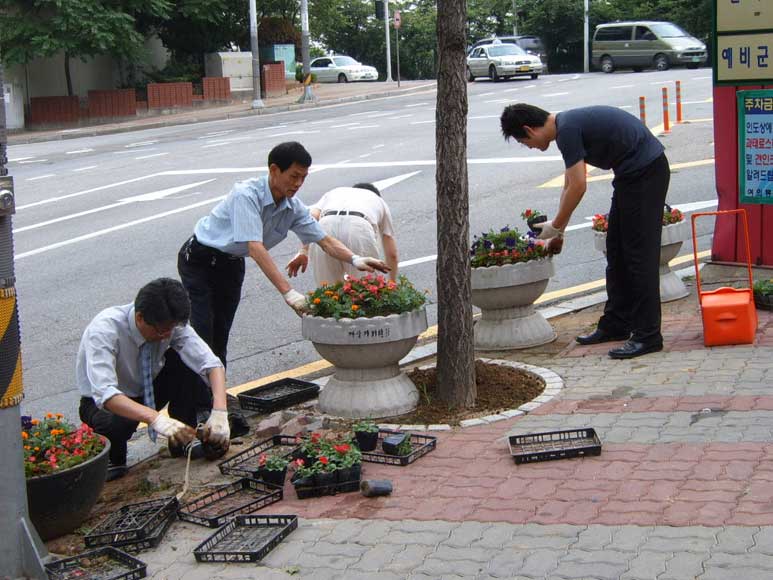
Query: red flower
point(323, 460)
point(315, 437)
point(262, 460)
point(342, 449)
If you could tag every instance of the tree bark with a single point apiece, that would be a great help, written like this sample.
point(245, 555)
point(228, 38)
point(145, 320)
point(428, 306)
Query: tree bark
point(456, 356)
point(67, 75)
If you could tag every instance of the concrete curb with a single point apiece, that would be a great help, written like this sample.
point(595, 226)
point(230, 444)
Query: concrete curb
point(29, 137)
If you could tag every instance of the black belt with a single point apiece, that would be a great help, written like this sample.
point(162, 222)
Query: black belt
point(343, 212)
point(196, 246)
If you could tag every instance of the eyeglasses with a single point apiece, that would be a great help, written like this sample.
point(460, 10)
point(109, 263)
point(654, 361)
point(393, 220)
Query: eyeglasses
point(164, 330)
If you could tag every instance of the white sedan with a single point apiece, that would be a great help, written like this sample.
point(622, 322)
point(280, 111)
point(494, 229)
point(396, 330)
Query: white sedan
point(502, 61)
point(341, 69)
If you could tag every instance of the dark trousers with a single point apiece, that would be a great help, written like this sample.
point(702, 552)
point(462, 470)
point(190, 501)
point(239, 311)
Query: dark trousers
point(213, 281)
point(188, 396)
point(633, 253)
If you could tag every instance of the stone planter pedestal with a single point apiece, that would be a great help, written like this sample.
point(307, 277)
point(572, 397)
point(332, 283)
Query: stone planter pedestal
point(506, 295)
point(671, 285)
point(366, 353)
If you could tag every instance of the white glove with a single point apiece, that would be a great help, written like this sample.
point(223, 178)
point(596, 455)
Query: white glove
point(296, 301)
point(216, 429)
point(176, 431)
point(368, 264)
point(548, 231)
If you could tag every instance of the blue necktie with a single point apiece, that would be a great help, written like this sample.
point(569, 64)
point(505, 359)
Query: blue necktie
point(146, 364)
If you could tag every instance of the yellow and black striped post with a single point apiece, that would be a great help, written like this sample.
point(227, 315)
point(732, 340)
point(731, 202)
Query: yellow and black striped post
point(21, 550)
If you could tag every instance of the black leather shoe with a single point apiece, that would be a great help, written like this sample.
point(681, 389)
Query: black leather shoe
point(115, 472)
point(598, 336)
point(195, 447)
point(632, 349)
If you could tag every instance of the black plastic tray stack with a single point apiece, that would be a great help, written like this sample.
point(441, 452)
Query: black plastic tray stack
point(245, 539)
point(257, 495)
point(277, 395)
point(105, 563)
point(309, 491)
point(245, 463)
point(135, 527)
point(554, 445)
point(420, 444)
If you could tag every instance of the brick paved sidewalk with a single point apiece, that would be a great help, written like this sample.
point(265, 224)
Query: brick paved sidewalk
point(682, 489)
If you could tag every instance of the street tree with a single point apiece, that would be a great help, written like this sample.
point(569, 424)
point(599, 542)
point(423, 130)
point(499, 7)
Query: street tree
point(455, 360)
point(75, 28)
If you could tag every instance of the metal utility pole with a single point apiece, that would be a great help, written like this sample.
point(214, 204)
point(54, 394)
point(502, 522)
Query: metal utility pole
point(586, 40)
point(515, 19)
point(388, 55)
point(22, 549)
point(257, 103)
point(308, 95)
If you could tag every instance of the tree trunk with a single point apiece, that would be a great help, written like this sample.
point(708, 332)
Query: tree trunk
point(456, 356)
point(67, 73)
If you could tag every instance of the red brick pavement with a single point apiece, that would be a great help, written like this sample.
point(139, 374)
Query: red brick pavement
point(471, 476)
point(657, 405)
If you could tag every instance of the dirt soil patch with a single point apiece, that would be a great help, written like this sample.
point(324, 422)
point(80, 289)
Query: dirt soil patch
point(500, 388)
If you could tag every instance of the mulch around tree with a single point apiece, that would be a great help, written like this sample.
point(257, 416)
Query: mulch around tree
point(500, 388)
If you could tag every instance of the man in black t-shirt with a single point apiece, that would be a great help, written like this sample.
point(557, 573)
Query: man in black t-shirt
point(610, 138)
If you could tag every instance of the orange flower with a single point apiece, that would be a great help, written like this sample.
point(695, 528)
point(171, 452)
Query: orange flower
point(49, 415)
point(355, 307)
point(317, 300)
point(35, 421)
point(335, 297)
point(24, 435)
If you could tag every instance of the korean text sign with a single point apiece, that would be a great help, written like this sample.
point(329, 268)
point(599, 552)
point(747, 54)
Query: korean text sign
point(755, 143)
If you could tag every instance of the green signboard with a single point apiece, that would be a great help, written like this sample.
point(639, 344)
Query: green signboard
point(755, 146)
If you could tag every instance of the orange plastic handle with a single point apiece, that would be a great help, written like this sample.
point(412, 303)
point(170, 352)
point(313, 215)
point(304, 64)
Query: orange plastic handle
point(746, 239)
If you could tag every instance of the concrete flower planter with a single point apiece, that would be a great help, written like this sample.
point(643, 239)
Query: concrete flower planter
point(506, 295)
point(671, 285)
point(366, 353)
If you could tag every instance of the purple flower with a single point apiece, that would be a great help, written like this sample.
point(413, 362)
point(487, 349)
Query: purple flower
point(510, 242)
point(487, 244)
point(26, 422)
point(505, 229)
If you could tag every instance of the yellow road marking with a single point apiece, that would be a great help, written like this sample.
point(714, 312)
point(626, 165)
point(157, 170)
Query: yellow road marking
point(559, 181)
point(431, 332)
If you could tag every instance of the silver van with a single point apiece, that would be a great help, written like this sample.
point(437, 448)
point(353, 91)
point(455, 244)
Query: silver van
point(645, 44)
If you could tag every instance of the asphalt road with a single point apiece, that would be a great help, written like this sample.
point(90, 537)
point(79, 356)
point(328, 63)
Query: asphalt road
point(97, 217)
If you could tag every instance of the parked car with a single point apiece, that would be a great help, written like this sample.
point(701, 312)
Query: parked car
point(645, 44)
point(502, 61)
point(530, 43)
point(341, 69)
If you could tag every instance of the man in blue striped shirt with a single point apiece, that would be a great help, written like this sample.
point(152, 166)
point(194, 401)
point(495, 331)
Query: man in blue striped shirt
point(253, 218)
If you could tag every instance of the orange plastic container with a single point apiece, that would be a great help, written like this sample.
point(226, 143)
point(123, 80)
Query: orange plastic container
point(729, 314)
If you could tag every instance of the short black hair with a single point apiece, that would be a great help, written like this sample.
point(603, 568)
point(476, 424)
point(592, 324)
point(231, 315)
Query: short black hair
point(163, 301)
point(514, 117)
point(368, 186)
point(287, 153)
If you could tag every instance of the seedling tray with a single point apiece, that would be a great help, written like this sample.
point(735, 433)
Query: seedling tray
point(152, 540)
point(104, 563)
point(277, 395)
point(309, 491)
point(420, 446)
point(132, 523)
point(246, 463)
point(245, 539)
point(238, 498)
point(554, 445)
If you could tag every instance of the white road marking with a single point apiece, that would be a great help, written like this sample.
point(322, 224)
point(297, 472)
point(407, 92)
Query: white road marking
point(216, 134)
point(365, 155)
point(362, 113)
point(134, 151)
point(483, 117)
point(105, 231)
point(499, 101)
point(33, 161)
point(555, 94)
point(700, 78)
point(384, 183)
point(622, 86)
point(141, 143)
point(152, 196)
point(398, 117)
point(84, 192)
point(42, 177)
point(321, 122)
point(379, 146)
point(344, 125)
point(20, 159)
point(422, 122)
point(487, 94)
point(415, 105)
point(292, 133)
point(415, 261)
point(152, 155)
point(661, 82)
point(363, 127)
point(85, 168)
point(510, 90)
point(625, 107)
point(78, 151)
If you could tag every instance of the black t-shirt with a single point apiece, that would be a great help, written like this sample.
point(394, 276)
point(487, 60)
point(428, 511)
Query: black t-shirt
point(605, 137)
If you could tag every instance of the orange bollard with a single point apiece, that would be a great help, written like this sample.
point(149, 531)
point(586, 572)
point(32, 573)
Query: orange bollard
point(666, 124)
point(643, 111)
point(678, 101)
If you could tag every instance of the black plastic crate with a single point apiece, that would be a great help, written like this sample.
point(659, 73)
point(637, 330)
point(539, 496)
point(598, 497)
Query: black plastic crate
point(554, 445)
point(105, 563)
point(309, 491)
point(245, 463)
point(277, 395)
point(238, 498)
point(132, 523)
point(150, 541)
point(420, 446)
point(245, 539)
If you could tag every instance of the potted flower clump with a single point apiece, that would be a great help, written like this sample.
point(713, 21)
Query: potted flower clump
point(510, 271)
point(675, 231)
point(326, 466)
point(763, 294)
point(366, 434)
point(363, 327)
point(272, 468)
point(65, 469)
